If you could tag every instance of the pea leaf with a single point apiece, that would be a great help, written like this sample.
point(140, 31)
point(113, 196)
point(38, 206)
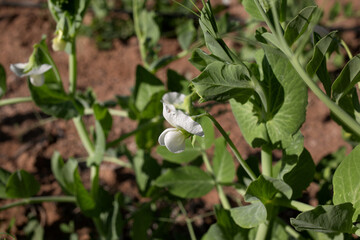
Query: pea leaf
point(21, 184)
point(346, 181)
point(4, 177)
point(249, 216)
point(186, 182)
point(223, 163)
point(209, 134)
point(327, 219)
point(185, 34)
point(177, 82)
point(264, 188)
point(100, 145)
point(145, 87)
point(298, 25)
point(83, 198)
point(103, 116)
point(325, 45)
point(347, 79)
point(201, 59)
point(297, 172)
point(221, 82)
point(290, 115)
point(2, 81)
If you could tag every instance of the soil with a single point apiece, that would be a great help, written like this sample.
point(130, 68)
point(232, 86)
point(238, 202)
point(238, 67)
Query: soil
point(26, 144)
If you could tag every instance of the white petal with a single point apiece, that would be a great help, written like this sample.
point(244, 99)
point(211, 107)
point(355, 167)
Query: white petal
point(40, 70)
point(179, 119)
point(173, 98)
point(175, 141)
point(18, 69)
point(162, 135)
point(37, 80)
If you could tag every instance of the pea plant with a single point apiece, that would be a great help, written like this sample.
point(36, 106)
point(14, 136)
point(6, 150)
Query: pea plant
point(267, 91)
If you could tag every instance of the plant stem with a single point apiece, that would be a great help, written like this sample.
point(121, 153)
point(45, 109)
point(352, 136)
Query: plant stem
point(224, 201)
point(233, 148)
point(346, 47)
point(117, 161)
point(188, 221)
point(114, 112)
point(139, 34)
point(296, 205)
point(266, 161)
point(34, 200)
point(84, 137)
point(72, 67)
point(15, 100)
point(262, 231)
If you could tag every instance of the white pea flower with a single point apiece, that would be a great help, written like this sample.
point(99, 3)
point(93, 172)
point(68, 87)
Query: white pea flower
point(36, 74)
point(58, 43)
point(184, 125)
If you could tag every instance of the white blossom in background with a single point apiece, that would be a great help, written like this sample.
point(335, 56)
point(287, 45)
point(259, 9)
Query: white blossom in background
point(226, 2)
point(184, 125)
point(36, 74)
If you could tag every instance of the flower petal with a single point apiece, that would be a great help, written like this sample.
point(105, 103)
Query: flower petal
point(179, 119)
point(173, 98)
point(37, 80)
point(175, 141)
point(18, 69)
point(39, 70)
point(162, 135)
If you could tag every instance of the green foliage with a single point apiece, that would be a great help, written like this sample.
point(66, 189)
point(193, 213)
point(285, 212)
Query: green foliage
point(224, 168)
point(249, 216)
point(21, 184)
point(186, 182)
point(327, 219)
point(346, 182)
point(4, 177)
point(185, 34)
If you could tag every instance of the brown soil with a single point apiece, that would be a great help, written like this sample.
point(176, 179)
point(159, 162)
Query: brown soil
point(25, 144)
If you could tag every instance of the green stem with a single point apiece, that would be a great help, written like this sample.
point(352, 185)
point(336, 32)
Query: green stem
point(296, 205)
point(188, 221)
point(114, 112)
point(84, 137)
point(117, 161)
point(34, 200)
point(224, 201)
point(346, 47)
point(10, 101)
point(262, 231)
point(233, 148)
point(266, 161)
point(72, 67)
point(139, 34)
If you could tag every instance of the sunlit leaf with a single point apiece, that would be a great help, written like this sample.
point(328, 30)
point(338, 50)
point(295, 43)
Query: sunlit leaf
point(21, 184)
point(249, 216)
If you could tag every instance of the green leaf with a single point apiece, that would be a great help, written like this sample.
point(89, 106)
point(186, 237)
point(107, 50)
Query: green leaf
point(298, 25)
point(177, 82)
point(249, 216)
point(149, 29)
point(51, 97)
point(209, 134)
point(185, 33)
point(221, 82)
point(83, 198)
point(289, 116)
point(226, 224)
point(21, 184)
point(254, 132)
point(188, 155)
point(297, 172)
point(346, 181)
point(100, 145)
point(4, 177)
point(326, 45)
point(251, 8)
point(103, 116)
point(223, 163)
point(146, 169)
point(2, 81)
point(327, 219)
point(264, 188)
point(201, 59)
point(146, 86)
point(347, 79)
point(143, 218)
point(148, 137)
point(186, 182)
